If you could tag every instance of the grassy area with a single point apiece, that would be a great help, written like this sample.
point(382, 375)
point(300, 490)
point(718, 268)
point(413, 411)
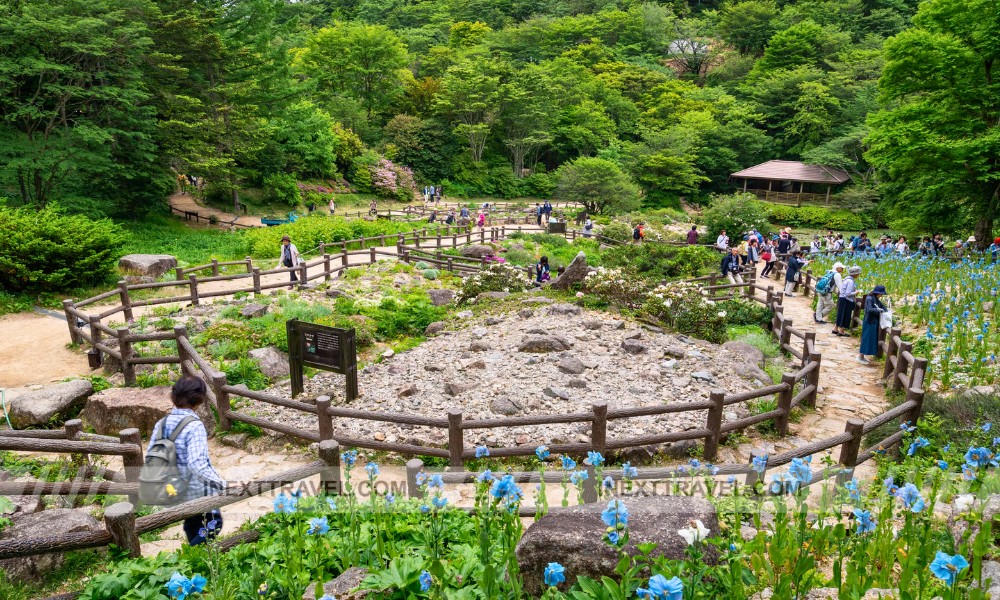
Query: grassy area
point(191, 245)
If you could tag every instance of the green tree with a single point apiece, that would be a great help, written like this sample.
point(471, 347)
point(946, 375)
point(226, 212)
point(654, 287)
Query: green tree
point(937, 141)
point(305, 135)
point(470, 96)
point(815, 111)
point(747, 26)
point(527, 117)
point(599, 184)
point(802, 44)
point(465, 34)
point(361, 61)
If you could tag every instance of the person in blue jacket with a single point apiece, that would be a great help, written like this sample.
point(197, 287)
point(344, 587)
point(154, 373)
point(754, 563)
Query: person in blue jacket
point(871, 323)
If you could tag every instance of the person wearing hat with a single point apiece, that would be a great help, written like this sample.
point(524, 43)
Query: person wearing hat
point(870, 324)
point(848, 293)
point(289, 257)
point(824, 301)
point(884, 246)
point(994, 248)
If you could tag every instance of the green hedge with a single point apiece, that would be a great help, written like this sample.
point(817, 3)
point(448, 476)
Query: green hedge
point(308, 232)
point(814, 217)
point(47, 251)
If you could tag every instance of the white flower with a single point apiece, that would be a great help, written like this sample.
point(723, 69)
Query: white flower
point(668, 303)
point(722, 314)
point(963, 502)
point(695, 533)
point(579, 294)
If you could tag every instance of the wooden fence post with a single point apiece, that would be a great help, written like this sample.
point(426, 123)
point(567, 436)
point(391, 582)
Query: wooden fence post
point(222, 405)
point(215, 267)
point(372, 257)
point(326, 267)
point(786, 333)
point(74, 335)
point(769, 300)
point(304, 275)
point(329, 452)
point(343, 255)
point(324, 418)
point(808, 283)
point(849, 449)
point(917, 395)
point(249, 262)
point(890, 350)
point(451, 264)
point(456, 443)
point(126, 301)
point(901, 366)
point(95, 333)
point(362, 239)
point(74, 427)
point(132, 462)
point(193, 282)
point(599, 427)
point(413, 467)
point(714, 424)
point(785, 403)
point(879, 353)
point(854, 313)
point(809, 337)
point(119, 520)
point(125, 347)
point(179, 272)
point(813, 379)
point(256, 280)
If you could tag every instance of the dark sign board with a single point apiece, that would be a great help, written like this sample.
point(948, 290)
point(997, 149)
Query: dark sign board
point(321, 347)
point(557, 227)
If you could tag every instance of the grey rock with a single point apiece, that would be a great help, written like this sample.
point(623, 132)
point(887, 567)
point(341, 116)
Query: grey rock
point(252, 311)
point(109, 411)
point(652, 328)
point(681, 382)
point(575, 273)
point(538, 300)
point(343, 587)
point(150, 265)
point(491, 296)
point(554, 392)
point(543, 343)
point(479, 346)
point(635, 334)
point(479, 332)
point(526, 313)
point(465, 314)
point(745, 350)
point(137, 279)
point(28, 407)
point(335, 293)
point(571, 365)
point(407, 390)
point(573, 537)
point(633, 346)
point(680, 450)
point(580, 384)
point(619, 325)
point(235, 440)
point(456, 389)
point(273, 363)
point(674, 352)
point(434, 368)
point(752, 372)
point(435, 328)
point(491, 321)
point(441, 297)
point(593, 324)
point(505, 406)
point(694, 354)
point(476, 251)
point(56, 523)
point(991, 571)
point(703, 376)
point(564, 309)
point(669, 364)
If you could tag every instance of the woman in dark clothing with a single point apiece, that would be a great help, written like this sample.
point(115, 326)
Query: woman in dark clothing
point(542, 270)
point(871, 323)
point(795, 264)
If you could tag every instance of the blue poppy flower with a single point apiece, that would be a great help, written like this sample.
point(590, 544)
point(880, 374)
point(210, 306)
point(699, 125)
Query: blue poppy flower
point(947, 568)
point(554, 574)
point(759, 464)
point(863, 519)
point(439, 502)
point(578, 477)
point(916, 445)
point(542, 452)
point(799, 469)
point(482, 451)
point(568, 464)
point(485, 476)
point(911, 498)
point(615, 514)
point(349, 458)
point(629, 472)
point(425, 581)
point(594, 459)
point(372, 470)
point(661, 588)
point(318, 526)
point(285, 504)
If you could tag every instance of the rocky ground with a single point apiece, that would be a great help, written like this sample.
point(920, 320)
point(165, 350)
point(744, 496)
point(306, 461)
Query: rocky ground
point(538, 357)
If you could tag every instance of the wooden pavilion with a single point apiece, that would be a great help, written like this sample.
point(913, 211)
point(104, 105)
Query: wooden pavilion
point(791, 182)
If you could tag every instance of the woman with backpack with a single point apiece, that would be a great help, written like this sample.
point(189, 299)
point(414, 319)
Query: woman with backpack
point(870, 324)
point(795, 264)
point(824, 291)
point(183, 430)
point(848, 294)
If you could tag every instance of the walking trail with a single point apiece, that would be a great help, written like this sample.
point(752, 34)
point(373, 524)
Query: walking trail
point(189, 203)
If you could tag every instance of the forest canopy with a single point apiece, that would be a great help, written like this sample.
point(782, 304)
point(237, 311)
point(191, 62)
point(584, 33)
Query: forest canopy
point(104, 102)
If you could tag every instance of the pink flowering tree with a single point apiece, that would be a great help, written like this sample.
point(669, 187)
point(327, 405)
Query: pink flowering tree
point(392, 181)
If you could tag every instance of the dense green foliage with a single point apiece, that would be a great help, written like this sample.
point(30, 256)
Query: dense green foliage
point(816, 217)
point(46, 250)
point(736, 215)
point(658, 262)
point(103, 104)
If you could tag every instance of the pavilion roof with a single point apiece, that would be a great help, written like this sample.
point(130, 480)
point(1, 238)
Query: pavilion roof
point(791, 170)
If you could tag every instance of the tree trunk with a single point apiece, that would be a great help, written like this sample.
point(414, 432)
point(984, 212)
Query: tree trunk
point(236, 200)
point(984, 232)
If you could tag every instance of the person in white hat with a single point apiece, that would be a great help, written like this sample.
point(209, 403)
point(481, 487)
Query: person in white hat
point(825, 287)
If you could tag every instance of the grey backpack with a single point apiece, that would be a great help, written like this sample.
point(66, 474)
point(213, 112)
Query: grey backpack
point(160, 481)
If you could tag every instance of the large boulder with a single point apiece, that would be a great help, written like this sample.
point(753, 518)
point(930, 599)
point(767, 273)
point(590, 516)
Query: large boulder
point(544, 343)
point(29, 407)
point(273, 363)
point(573, 537)
point(150, 265)
point(46, 524)
point(114, 409)
point(344, 587)
point(476, 251)
point(575, 273)
point(441, 297)
point(750, 353)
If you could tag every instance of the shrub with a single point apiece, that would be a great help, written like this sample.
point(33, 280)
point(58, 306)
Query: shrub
point(282, 187)
point(741, 312)
point(660, 261)
point(814, 217)
point(736, 214)
point(421, 266)
point(618, 231)
point(308, 232)
point(247, 372)
point(431, 274)
point(621, 287)
point(47, 251)
point(497, 277)
point(683, 307)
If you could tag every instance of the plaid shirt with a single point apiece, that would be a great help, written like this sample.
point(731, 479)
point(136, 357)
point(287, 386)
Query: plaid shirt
point(192, 454)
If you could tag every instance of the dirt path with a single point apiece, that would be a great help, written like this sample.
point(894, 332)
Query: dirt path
point(188, 203)
point(33, 349)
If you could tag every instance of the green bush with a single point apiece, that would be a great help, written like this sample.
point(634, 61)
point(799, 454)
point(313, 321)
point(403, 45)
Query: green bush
point(420, 266)
point(431, 274)
point(47, 251)
point(247, 372)
point(498, 277)
point(660, 261)
point(682, 307)
point(814, 217)
point(282, 187)
point(736, 214)
point(741, 312)
point(617, 230)
point(308, 232)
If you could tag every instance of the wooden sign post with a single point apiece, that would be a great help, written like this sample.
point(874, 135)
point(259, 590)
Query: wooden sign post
point(321, 347)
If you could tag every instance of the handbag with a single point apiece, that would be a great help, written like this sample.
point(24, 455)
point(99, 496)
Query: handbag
point(885, 319)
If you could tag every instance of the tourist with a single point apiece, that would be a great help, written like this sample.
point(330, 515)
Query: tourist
point(438, 193)
point(927, 246)
point(901, 246)
point(884, 246)
point(373, 208)
point(848, 293)
point(539, 211)
point(784, 244)
point(814, 246)
point(693, 235)
point(547, 208)
point(332, 206)
point(451, 218)
point(830, 238)
point(433, 217)
point(994, 248)
point(193, 462)
point(794, 265)
point(588, 227)
point(753, 251)
point(464, 213)
point(542, 270)
point(838, 243)
point(794, 245)
point(481, 219)
point(939, 245)
point(311, 207)
point(722, 242)
point(768, 256)
point(289, 257)
point(731, 265)
point(638, 234)
point(824, 299)
point(871, 323)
